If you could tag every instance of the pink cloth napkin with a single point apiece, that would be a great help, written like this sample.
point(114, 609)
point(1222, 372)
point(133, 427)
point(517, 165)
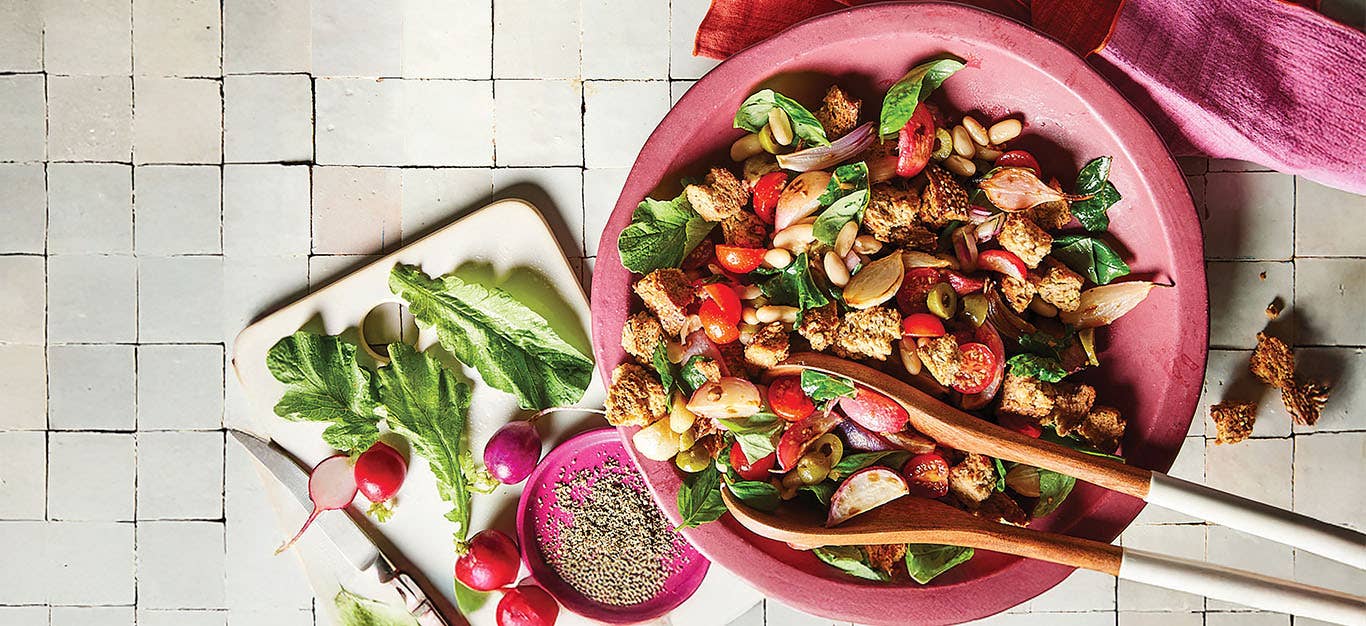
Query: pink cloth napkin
point(1259, 80)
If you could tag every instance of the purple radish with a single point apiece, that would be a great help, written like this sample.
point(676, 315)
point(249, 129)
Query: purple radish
point(331, 486)
point(513, 451)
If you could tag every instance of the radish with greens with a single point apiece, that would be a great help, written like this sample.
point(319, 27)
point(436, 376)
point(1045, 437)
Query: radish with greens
point(491, 561)
point(379, 475)
point(331, 486)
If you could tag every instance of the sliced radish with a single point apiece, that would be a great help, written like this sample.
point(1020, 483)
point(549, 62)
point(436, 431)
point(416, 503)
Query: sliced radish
point(875, 411)
point(800, 198)
point(1002, 262)
point(864, 491)
point(331, 486)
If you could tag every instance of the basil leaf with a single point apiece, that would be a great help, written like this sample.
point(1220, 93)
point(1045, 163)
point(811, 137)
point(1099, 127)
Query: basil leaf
point(1092, 211)
point(822, 387)
point(699, 501)
point(1044, 368)
point(845, 180)
point(851, 463)
point(794, 286)
point(755, 494)
point(753, 116)
point(926, 560)
point(513, 347)
point(1090, 257)
point(667, 370)
point(847, 209)
point(1050, 434)
point(1044, 344)
point(692, 377)
point(850, 560)
point(661, 234)
point(1093, 175)
point(1000, 474)
point(756, 434)
point(913, 88)
point(355, 610)
point(325, 383)
point(1053, 489)
point(822, 490)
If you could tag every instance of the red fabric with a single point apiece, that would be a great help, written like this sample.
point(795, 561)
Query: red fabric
point(1268, 81)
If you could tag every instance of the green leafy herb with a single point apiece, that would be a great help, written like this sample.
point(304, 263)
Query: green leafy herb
point(1045, 368)
point(512, 346)
point(691, 374)
point(926, 560)
point(469, 600)
point(1053, 489)
point(1044, 344)
point(913, 88)
point(661, 234)
point(1000, 474)
point(822, 387)
point(1093, 180)
point(668, 372)
point(794, 286)
point(477, 477)
point(851, 463)
point(755, 434)
point(355, 610)
point(324, 383)
point(822, 491)
point(845, 198)
point(1090, 257)
point(699, 501)
point(753, 116)
point(755, 494)
point(850, 560)
point(1050, 434)
point(429, 406)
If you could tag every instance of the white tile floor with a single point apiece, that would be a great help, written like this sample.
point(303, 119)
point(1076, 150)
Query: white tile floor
point(171, 169)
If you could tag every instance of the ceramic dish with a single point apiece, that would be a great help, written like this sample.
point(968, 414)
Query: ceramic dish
point(1153, 360)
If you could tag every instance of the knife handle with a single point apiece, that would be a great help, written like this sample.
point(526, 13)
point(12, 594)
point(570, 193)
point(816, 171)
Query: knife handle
point(416, 601)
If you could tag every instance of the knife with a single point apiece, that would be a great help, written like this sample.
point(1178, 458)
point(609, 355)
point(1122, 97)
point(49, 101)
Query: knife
point(353, 543)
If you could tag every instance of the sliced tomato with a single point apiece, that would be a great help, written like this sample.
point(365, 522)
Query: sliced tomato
point(786, 398)
point(915, 142)
point(927, 475)
point(1019, 158)
point(757, 470)
point(922, 325)
point(916, 285)
point(727, 301)
point(875, 411)
point(738, 259)
point(962, 283)
point(1002, 262)
point(717, 323)
point(1020, 424)
point(766, 192)
point(977, 364)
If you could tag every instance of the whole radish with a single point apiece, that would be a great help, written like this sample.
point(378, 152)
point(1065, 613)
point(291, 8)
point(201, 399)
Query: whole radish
point(379, 475)
point(331, 486)
point(513, 451)
point(527, 605)
point(491, 561)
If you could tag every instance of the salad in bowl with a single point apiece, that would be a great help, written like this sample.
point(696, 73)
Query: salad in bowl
point(909, 237)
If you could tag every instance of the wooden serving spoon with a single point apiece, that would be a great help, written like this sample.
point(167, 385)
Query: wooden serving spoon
point(962, 431)
point(910, 519)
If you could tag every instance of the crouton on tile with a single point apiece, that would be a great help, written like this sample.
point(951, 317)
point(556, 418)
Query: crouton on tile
point(1233, 421)
point(667, 292)
point(1272, 361)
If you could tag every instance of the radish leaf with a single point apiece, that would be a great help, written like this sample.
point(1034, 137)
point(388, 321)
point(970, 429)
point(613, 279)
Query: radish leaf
point(324, 383)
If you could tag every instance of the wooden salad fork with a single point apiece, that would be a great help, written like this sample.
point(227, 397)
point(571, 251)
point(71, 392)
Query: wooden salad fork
point(962, 431)
point(909, 519)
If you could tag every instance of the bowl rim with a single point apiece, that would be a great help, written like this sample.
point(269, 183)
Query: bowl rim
point(724, 543)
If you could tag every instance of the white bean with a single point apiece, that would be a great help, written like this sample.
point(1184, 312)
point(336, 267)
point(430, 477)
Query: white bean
point(750, 315)
point(775, 313)
point(781, 126)
point(750, 292)
point(962, 143)
point(835, 269)
point(1004, 131)
point(777, 258)
point(845, 239)
point(910, 358)
point(988, 153)
point(794, 237)
point(867, 244)
point(960, 166)
point(975, 130)
point(745, 147)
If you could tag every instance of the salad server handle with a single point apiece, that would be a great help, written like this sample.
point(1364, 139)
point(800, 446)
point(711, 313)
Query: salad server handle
point(1340, 544)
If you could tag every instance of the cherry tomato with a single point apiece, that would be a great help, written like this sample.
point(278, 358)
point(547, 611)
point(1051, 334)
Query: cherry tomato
point(726, 300)
point(740, 260)
point(916, 285)
point(927, 475)
point(766, 192)
point(977, 364)
point(1019, 158)
point(922, 325)
point(786, 398)
point(915, 142)
point(1020, 424)
point(758, 470)
point(717, 324)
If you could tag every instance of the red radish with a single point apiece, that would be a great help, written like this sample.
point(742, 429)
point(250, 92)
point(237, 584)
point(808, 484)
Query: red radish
point(864, 491)
point(379, 475)
point(491, 561)
point(513, 451)
point(915, 142)
point(927, 475)
point(1019, 158)
point(859, 438)
point(331, 486)
point(800, 435)
point(527, 605)
point(965, 247)
point(875, 411)
point(1002, 262)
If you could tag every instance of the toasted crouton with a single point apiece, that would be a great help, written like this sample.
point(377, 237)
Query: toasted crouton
point(1017, 293)
point(733, 358)
point(1103, 427)
point(667, 293)
point(1025, 239)
point(999, 507)
point(768, 347)
point(820, 326)
point(943, 199)
point(641, 336)
point(868, 334)
point(1071, 404)
point(886, 556)
point(838, 113)
point(1057, 285)
point(745, 229)
point(973, 480)
point(1023, 396)
point(891, 218)
point(1304, 401)
point(1272, 361)
point(941, 357)
point(635, 397)
point(708, 368)
point(721, 197)
point(1233, 420)
point(1050, 215)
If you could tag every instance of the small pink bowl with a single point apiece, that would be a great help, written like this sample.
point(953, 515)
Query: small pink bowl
point(537, 508)
point(1153, 359)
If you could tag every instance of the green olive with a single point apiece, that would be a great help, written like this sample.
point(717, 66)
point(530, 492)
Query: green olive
point(830, 447)
point(769, 143)
point(975, 308)
point(812, 468)
point(692, 460)
point(943, 145)
point(942, 300)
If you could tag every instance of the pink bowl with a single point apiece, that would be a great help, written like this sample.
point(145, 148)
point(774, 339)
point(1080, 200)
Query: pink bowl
point(1154, 358)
